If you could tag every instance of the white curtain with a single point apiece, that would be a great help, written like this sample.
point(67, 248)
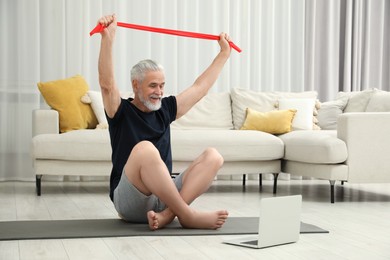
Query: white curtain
point(347, 46)
point(367, 45)
point(288, 45)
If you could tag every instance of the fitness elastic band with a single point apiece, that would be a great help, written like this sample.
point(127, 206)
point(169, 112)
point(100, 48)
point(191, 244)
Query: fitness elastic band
point(99, 28)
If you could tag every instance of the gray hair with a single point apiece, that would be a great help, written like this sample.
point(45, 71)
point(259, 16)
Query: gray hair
point(138, 71)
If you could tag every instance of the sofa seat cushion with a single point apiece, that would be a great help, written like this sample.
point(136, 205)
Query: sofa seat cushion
point(78, 145)
point(234, 145)
point(308, 146)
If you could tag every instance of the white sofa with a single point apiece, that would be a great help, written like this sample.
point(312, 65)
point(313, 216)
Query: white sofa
point(355, 149)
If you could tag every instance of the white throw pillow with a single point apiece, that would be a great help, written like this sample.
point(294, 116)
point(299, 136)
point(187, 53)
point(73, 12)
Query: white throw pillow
point(303, 119)
point(97, 106)
point(330, 111)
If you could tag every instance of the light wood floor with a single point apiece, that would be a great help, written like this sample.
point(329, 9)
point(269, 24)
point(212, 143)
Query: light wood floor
point(359, 222)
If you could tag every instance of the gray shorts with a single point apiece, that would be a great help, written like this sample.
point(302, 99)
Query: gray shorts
point(132, 205)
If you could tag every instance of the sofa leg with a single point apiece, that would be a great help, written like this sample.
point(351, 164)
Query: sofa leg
point(276, 175)
point(260, 180)
point(243, 179)
point(332, 183)
point(38, 179)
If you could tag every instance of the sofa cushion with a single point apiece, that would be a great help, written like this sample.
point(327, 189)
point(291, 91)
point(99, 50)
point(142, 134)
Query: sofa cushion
point(97, 106)
point(322, 147)
point(95, 99)
point(379, 102)
point(234, 145)
point(78, 145)
point(303, 119)
point(65, 96)
point(329, 112)
point(357, 100)
point(273, 122)
point(211, 112)
point(259, 101)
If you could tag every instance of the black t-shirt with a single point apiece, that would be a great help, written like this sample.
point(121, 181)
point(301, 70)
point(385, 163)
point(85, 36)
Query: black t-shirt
point(130, 125)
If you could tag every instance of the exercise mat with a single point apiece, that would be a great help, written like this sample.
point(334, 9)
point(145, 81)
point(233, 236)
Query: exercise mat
point(91, 228)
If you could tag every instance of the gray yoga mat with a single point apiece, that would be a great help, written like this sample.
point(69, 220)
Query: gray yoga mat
point(89, 228)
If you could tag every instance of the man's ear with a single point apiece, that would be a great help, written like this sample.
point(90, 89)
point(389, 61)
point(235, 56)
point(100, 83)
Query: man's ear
point(134, 82)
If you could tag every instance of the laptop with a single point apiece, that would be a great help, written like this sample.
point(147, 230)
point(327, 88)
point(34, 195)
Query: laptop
point(279, 223)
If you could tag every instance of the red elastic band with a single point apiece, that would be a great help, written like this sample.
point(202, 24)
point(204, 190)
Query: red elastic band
point(99, 28)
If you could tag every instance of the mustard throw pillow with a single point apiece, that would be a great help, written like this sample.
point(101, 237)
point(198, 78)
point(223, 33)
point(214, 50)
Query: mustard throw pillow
point(65, 96)
point(273, 122)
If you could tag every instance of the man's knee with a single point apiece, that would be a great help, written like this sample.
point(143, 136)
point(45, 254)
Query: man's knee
point(145, 149)
point(144, 153)
point(214, 156)
point(144, 146)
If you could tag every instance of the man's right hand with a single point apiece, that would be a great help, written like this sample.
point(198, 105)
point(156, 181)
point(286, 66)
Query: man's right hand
point(108, 21)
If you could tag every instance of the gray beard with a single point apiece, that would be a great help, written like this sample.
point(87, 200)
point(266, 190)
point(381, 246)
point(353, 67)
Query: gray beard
point(148, 104)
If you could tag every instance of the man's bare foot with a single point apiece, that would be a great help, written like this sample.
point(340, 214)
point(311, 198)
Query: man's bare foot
point(159, 220)
point(152, 220)
point(205, 220)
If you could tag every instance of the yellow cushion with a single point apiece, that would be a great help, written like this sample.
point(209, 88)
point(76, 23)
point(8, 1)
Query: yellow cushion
point(273, 122)
point(65, 96)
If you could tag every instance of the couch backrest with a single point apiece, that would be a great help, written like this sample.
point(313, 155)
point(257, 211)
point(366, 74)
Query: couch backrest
point(211, 112)
point(260, 101)
point(357, 100)
point(226, 110)
point(379, 102)
point(368, 100)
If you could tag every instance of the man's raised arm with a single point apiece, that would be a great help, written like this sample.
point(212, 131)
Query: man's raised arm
point(189, 97)
point(110, 92)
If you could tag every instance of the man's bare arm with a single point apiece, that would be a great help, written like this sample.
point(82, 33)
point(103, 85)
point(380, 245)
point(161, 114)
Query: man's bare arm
point(189, 97)
point(110, 92)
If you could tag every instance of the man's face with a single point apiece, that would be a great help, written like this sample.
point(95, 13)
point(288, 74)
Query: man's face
point(150, 91)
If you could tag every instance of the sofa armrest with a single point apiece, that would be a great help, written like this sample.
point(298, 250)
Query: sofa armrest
point(367, 138)
point(45, 121)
